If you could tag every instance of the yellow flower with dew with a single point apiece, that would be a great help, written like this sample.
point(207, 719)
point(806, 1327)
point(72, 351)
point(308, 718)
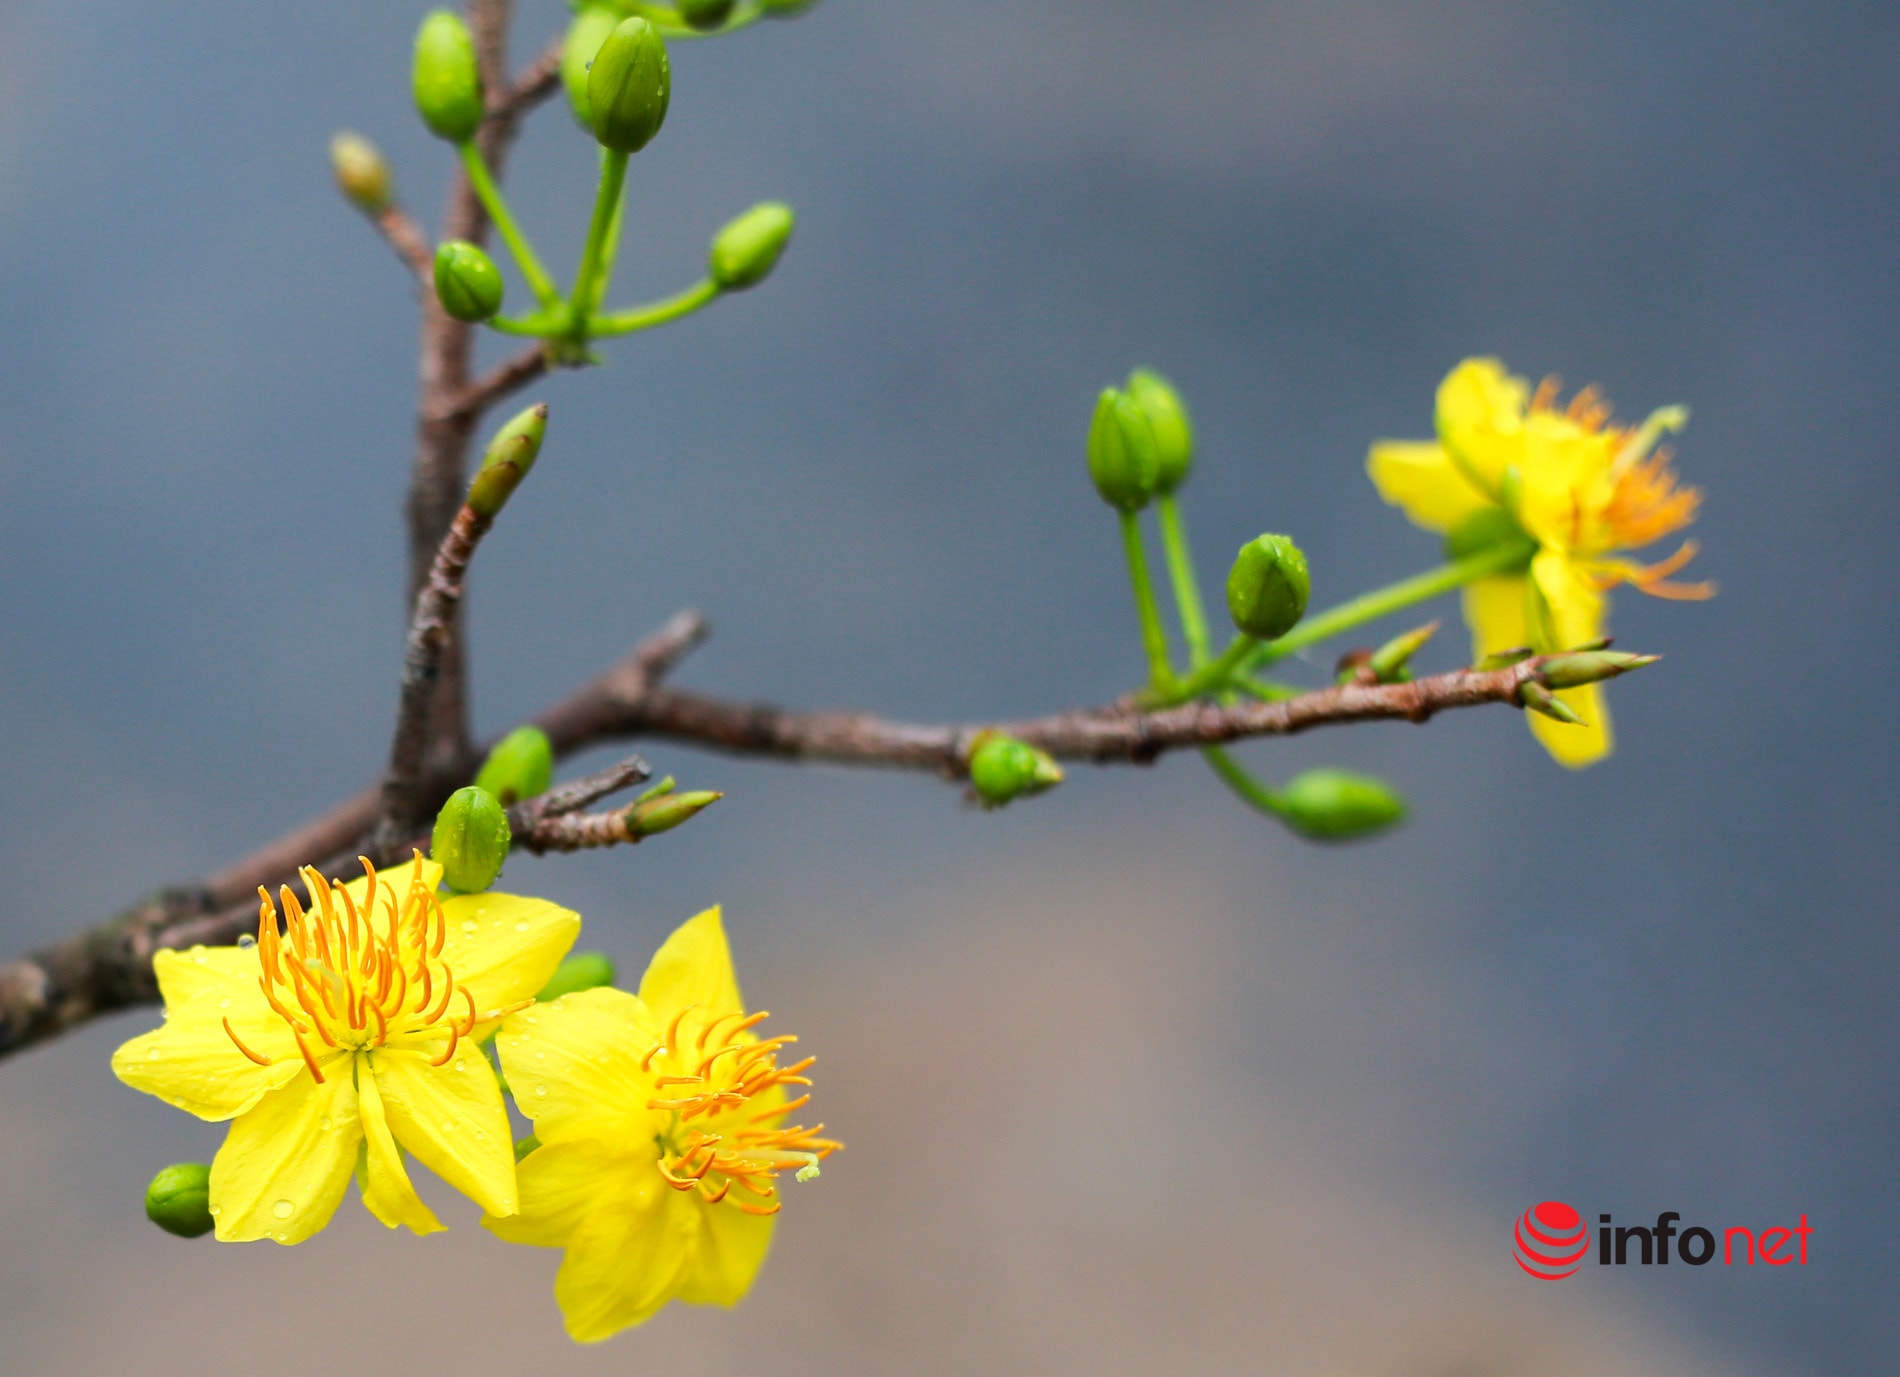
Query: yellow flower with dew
point(1578, 491)
point(353, 1030)
point(660, 1120)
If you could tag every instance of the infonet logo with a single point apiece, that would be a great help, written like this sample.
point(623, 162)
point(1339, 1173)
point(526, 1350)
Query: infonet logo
point(1551, 1240)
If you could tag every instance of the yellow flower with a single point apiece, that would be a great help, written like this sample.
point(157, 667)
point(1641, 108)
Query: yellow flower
point(660, 1126)
point(353, 1030)
point(1583, 490)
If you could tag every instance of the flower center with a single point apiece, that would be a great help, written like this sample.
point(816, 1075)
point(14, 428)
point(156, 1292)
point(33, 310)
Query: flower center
point(351, 978)
point(723, 1132)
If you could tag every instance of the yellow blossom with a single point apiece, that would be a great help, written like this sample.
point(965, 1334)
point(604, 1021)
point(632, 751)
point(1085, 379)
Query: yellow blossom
point(353, 1030)
point(1583, 490)
point(660, 1122)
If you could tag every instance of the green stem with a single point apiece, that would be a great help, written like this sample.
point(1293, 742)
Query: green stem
point(490, 196)
point(609, 254)
point(613, 179)
point(1187, 589)
point(1266, 690)
point(1216, 674)
point(1154, 641)
point(699, 295)
point(1235, 777)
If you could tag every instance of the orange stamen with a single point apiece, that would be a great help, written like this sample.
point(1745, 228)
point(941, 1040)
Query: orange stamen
point(257, 1057)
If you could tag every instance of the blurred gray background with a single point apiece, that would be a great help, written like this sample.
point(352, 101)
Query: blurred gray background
point(1133, 1081)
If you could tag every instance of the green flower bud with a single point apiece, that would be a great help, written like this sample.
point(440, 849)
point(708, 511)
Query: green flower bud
point(1336, 805)
point(785, 9)
point(705, 14)
point(1003, 768)
point(362, 174)
point(179, 1200)
point(510, 455)
point(589, 30)
point(1590, 667)
point(749, 247)
point(1537, 698)
point(467, 283)
point(629, 86)
point(471, 840)
point(1268, 586)
point(1168, 419)
point(663, 814)
point(521, 766)
point(1488, 528)
point(1123, 461)
point(586, 970)
point(1389, 662)
point(447, 79)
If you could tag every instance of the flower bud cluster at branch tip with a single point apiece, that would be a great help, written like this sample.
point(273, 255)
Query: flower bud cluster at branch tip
point(705, 14)
point(748, 248)
point(652, 816)
point(467, 283)
point(510, 455)
point(362, 173)
point(592, 24)
point(1267, 587)
point(629, 87)
point(587, 970)
point(1337, 805)
point(1123, 459)
point(447, 78)
point(1168, 420)
point(521, 766)
point(1003, 768)
point(471, 840)
point(179, 1200)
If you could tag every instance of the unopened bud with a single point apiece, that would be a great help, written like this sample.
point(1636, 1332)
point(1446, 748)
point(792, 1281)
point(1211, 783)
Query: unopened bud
point(1389, 661)
point(362, 173)
point(1003, 768)
point(1589, 667)
point(589, 30)
point(785, 9)
point(1337, 805)
point(586, 970)
point(179, 1200)
point(1168, 419)
point(1504, 659)
point(748, 248)
point(1487, 529)
point(447, 78)
point(510, 455)
point(663, 814)
point(471, 840)
point(1537, 698)
point(467, 283)
point(521, 766)
point(705, 14)
point(1268, 587)
point(629, 86)
point(1123, 461)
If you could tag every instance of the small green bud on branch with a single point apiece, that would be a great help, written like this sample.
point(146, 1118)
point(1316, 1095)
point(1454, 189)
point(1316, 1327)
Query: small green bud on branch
point(587, 970)
point(663, 814)
point(1267, 587)
point(520, 766)
point(1123, 460)
point(1590, 667)
point(705, 14)
point(1388, 664)
point(1168, 419)
point(467, 283)
point(1003, 768)
point(471, 839)
point(1337, 805)
point(511, 454)
point(1537, 698)
point(629, 87)
point(748, 248)
point(447, 79)
point(362, 173)
point(179, 1200)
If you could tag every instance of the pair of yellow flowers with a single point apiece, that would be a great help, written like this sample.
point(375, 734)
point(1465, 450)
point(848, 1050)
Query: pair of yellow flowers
point(353, 1031)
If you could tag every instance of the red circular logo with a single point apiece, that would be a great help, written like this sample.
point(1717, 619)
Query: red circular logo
point(1551, 1240)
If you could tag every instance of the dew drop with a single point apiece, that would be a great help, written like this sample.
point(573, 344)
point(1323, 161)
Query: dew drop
point(247, 941)
point(460, 1064)
point(216, 1208)
point(448, 1125)
point(480, 1137)
point(522, 926)
point(540, 1056)
point(283, 1209)
point(224, 1003)
point(540, 1092)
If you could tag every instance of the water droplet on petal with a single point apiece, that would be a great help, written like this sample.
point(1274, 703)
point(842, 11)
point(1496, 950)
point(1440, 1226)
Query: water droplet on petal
point(216, 1209)
point(448, 1125)
point(470, 926)
point(461, 1064)
point(283, 1209)
point(522, 926)
point(247, 941)
point(540, 1092)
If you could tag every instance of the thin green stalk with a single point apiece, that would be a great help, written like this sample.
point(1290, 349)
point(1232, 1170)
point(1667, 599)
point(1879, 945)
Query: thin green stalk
point(1154, 641)
point(609, 255)
point(1235, 777)
point(613, 179)
point(1266, 690)
point(695, 297)
point(1187, 589)
point(1216, 673)
point(490, 196)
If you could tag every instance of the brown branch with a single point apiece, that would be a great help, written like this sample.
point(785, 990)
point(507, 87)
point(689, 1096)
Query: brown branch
point(505, 378)
point(577, 794)
point(406, 237)
point(537, 81)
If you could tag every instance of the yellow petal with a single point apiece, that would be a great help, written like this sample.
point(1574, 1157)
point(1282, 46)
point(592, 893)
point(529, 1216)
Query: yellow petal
point(1480, 415)
point(396, 879)
point(386, 1187)
point(503, 947)
point(731, 1248)
point(574, 1065)
point(1419, 477)
point(285, 1163)
point(1573, 610)
point(190, 1062)
point(1494, 610)
point(623, 1261)
point(451, 1118)
point(1577, 747)
point(693, 969)
point(228, 972)
point(560, 1185)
